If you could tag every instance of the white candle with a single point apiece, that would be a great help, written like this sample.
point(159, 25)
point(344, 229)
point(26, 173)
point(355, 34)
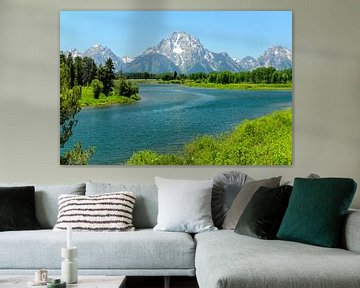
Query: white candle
point(69, 239)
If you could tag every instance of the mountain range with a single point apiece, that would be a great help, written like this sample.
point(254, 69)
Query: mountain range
point(184, 53)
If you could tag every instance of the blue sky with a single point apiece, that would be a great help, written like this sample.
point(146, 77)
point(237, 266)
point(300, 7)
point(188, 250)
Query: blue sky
point(240, 33)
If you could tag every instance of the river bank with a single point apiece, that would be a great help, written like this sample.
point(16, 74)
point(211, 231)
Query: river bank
point(87, 99)
point(240, 86)
point(231, 86)
point(266, 140)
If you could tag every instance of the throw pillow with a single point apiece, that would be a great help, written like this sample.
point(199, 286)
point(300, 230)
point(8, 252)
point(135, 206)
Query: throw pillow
point(243, 198)
point(146, 205)
point(263, 215)
point(317, 209)
point(226, 187)
point(106, 212)
point(17, 208)
point(46, 200)
point(184, 205)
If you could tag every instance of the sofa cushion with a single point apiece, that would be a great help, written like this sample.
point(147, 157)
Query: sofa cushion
point(263, 215)
point(146, 205)
point(17, 208)
point(184, 205)
point(137, 250)
point(46, 200)
point(225, 189)
point(317, 209)
point(105, 212)
point(243, 198)
point(225, 259)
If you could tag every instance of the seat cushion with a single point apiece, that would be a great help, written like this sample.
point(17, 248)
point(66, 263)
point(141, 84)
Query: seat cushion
point(143, 249)
point(226, 259)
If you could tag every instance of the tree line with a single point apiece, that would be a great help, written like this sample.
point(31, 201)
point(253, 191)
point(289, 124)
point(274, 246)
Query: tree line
point(78, 71)
point(266, 75)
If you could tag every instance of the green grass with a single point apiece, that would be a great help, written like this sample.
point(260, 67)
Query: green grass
point(240, 86)
point(263, 141)
point(87, 98)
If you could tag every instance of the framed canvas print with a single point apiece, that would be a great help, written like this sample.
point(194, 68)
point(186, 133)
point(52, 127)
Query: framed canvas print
point(176, 88)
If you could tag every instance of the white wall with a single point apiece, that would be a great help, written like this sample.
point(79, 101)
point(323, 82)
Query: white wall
point(326, 90)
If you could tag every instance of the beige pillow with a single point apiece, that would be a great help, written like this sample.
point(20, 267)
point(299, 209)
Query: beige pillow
point(243, 198)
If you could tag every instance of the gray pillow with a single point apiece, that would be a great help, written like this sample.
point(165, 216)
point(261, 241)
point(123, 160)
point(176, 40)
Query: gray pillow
point(184, 205)
point(310, 176)
point(46, 200)
point(146, 204)
point(243, 198)
point(225, 189)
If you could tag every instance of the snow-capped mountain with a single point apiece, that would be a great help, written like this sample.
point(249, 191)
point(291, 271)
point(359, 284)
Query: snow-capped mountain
point(188, 53)
point(246, 64)
point(184, 53)
point(277, 56)
point(127, 59)
point(102, 53)
point(75, 53)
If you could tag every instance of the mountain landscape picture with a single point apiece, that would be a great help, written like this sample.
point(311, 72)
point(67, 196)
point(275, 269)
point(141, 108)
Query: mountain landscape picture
point(176, 88)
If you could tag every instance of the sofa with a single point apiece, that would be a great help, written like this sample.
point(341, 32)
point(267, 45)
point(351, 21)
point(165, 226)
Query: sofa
point(218, 259)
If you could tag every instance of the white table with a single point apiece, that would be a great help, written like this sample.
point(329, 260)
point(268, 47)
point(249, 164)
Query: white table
point(83, 282)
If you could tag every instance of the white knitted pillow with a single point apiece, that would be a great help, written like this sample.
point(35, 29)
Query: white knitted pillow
point(105, 212)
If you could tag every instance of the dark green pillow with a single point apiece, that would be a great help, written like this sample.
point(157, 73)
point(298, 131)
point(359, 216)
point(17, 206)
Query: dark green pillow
point(316, 211)
point(17, 208)
point(264, 212)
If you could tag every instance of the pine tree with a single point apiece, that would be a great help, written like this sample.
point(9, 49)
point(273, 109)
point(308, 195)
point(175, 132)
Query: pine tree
point(107, 76)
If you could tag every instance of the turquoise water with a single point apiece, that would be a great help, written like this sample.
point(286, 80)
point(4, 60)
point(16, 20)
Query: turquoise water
point(167, 117)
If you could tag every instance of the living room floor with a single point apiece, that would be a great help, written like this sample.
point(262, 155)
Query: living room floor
point(158, 282)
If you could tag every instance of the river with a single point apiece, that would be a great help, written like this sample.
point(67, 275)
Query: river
point(167, 117)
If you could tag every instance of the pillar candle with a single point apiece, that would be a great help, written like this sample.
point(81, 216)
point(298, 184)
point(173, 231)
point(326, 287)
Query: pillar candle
point(69, 237)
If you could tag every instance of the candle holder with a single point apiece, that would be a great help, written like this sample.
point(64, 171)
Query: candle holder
point(69, 271)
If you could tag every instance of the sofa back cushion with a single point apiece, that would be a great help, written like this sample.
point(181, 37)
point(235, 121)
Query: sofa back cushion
point(46, 200)
point(146, 204)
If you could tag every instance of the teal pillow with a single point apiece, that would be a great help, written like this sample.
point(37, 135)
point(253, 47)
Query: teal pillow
point(316, 211)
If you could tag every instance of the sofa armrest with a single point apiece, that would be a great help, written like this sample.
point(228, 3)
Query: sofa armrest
point(351, 234)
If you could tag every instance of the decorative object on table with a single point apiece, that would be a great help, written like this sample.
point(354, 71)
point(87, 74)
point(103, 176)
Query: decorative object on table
point(69, 265)
point(41, 275)
point(40, 279)
point(56, 283)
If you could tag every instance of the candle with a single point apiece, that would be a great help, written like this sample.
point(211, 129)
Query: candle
point(69, 239)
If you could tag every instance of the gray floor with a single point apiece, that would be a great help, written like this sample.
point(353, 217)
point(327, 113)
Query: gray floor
point(158, 282)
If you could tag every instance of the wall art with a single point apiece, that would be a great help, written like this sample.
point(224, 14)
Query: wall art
point(176, 88)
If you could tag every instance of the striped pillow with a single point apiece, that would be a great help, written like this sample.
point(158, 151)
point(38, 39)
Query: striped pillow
point(105, 212)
